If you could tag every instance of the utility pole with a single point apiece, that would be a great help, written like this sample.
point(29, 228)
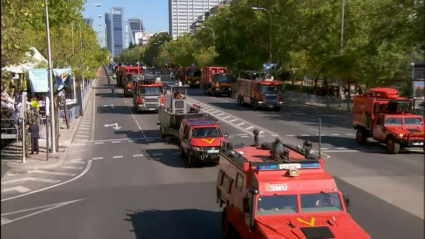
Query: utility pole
point(50, 81)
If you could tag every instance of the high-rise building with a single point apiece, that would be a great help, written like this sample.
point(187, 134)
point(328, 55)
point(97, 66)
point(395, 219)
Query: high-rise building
point(182, 13)
point(89, 21)
point(135, 25)
point(115, 32)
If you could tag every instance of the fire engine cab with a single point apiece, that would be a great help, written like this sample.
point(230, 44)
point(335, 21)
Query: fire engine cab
point(259, 90)
point(385, 116)
point(287, 195)
point(148, 95)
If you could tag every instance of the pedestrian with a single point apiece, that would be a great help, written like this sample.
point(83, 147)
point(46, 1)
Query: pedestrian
point(35, 135)
point(113, 91)
point(27, 139)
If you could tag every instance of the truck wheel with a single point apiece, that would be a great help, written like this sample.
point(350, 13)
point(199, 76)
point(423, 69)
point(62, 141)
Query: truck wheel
point(392, 146)
point(361, 136)
point(191, 161)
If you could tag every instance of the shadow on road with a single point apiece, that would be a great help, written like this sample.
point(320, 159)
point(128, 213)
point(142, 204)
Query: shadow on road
point(176, 224)
point(137, 134)
point(124, 110)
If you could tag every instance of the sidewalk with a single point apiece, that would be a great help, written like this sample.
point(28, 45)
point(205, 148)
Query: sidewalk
point(11, 157)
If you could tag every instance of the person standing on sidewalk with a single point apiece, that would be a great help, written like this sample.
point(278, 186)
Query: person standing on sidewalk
point(113, 91)
point(27, 139)
point(35, 135)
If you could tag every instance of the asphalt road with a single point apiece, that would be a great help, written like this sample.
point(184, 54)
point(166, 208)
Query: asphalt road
point(137, 186)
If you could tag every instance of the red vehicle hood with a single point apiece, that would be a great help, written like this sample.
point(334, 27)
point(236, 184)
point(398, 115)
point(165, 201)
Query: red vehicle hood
point(342, 227)
point(412, 130)
point(206, 142)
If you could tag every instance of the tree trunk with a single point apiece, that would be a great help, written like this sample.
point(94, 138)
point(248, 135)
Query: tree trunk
point(325, 82)
point(65, 108)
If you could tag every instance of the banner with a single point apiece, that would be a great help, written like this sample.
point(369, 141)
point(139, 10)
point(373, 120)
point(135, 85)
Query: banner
point(62, 78)
point(39, 80)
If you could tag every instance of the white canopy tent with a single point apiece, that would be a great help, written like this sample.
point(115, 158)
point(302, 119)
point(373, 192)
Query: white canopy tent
point(34, 57)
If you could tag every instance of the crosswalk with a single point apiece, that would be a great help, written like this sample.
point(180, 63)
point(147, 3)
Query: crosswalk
point(85, 127)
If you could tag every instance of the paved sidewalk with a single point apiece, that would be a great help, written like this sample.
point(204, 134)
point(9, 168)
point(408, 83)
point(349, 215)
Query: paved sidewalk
point(11, 156)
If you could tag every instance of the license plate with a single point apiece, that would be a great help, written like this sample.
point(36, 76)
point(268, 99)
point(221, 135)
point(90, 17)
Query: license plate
point(418, 143)
point(152, 109)
point(290, 166)
point(212, 151)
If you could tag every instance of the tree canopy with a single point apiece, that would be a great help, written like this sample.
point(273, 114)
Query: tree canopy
point(380, 38)
point(23, 24)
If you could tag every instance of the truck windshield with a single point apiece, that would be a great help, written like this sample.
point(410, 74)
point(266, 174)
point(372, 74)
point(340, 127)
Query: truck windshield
point(146, 90)
point(131, 78)
point(320, 202)
point(412, 121)
point(393, 121)
point(222, 78)
point(268, 88)
point(193, 73)
point(277, 204)
point(206, 132)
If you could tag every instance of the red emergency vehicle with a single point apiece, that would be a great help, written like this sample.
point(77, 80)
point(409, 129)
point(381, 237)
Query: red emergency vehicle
point(148, 94)
point(118, 74)
point(128, 80)
point(193, 76)
point(385, 116)
point(293, 198)
point(259, 90)
point(215, 81)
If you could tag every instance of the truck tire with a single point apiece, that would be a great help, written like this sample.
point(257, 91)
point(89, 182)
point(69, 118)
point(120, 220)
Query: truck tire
point(361, 137)
point(392, 146)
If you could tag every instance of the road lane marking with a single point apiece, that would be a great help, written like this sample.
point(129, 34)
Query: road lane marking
point(97, 158)
point(350, 134)
point(233, 120)
point(99, 143)
point(226, 117)
point(137, 155)
point(52, 173)
point(19, 189)
point(305, 135)
point(44, 180)
point(116, 142)
point(241, 124)
point(93, 112)
point(244, 136)
point(118, 157)
point(137, 123)
point(335, 134)
point(71, 167)
point(250, 127)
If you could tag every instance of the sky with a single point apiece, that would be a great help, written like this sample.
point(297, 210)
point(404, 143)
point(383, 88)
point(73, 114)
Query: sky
point(154, 13)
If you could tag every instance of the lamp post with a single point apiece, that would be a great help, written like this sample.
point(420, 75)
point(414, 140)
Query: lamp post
point(205, 27)
point(72, 27)
point(413, 79)
point(270, 20)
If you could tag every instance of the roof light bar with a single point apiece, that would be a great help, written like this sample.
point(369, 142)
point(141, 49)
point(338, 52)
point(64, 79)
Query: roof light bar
point(288, 166)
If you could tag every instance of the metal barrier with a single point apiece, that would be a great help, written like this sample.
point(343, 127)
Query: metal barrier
point(304, 98)
point(74, 112)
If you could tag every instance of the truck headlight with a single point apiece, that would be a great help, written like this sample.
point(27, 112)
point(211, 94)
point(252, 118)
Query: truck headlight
point(196, 148)
point(400, 135)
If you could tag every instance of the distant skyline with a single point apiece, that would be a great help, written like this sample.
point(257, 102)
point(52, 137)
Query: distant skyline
point(153, 13)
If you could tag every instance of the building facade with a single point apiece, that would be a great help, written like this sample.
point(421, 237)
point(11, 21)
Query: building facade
point(182, 13)
point(142, 38)
point(135, 25)
point(115, 31)
point(89, 21)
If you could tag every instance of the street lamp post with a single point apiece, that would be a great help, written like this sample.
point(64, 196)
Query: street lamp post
point(413, 79)
point(205, 27)
point(270, 20)
point(50, 80)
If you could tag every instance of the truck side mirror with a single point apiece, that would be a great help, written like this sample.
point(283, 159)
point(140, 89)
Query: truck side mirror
point(226, 135)
point(246, 208)
point(347, 203)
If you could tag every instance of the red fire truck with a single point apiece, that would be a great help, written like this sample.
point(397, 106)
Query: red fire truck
point(293, 197)
point(259, 90)
point(127, 78)
point(385, 116)
point(215, 81)
point(193, 76)
point(148, 95)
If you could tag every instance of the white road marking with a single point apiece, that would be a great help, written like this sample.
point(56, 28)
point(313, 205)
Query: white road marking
point(341, 148)
point(118, 157)
point(5, 221)
point(116, 142)
point(19, 189)
point(261, 132)
point(220, 115)
point(314, 129)
point(335, 134)
point(244, 136)
point(71, 167)
point(275, 135)
point(81, 136)
point(99, 143)
point(350, 134)
point(93, 114)
point(241, 124)
point(97, 158)
point(233, 120)
point(305, 135)
point(52, 173)
point(44, 180)
point(226, 117)
point(158, 154)
point(78, 144)
point(137, 155)
point(140, 128)
point(250, 127)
